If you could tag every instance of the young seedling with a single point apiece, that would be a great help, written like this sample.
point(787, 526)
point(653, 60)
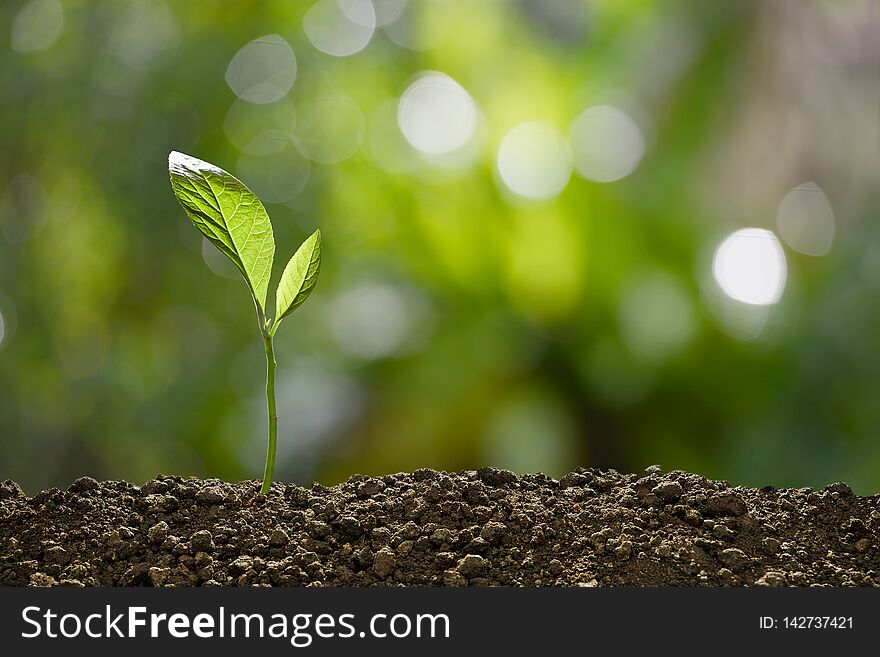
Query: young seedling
point(233, 219)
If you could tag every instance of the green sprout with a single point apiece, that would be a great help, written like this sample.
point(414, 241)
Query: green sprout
point(233, 219)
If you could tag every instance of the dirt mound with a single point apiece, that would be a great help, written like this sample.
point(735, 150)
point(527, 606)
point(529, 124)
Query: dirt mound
point(486, 527)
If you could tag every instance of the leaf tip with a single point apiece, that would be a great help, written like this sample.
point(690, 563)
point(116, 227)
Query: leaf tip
point(179, 163)
point(186, 165)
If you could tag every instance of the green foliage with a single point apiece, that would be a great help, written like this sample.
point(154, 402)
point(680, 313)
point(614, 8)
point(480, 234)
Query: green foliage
point(232, 217)
point(229, 215)
point(299, 277)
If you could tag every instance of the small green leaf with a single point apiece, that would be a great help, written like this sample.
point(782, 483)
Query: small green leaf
point(229, 215)
point(299, 277)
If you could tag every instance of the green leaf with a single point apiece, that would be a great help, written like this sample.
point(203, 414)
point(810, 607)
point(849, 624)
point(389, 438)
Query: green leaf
point(229, 215)
point(299, 277)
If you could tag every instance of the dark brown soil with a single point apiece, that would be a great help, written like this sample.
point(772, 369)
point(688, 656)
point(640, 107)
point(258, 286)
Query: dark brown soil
point(489, 527)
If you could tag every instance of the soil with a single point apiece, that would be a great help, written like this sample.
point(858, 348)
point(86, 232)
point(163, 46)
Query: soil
point(474, 528)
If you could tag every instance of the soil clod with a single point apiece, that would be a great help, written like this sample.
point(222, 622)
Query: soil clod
point(488, 527)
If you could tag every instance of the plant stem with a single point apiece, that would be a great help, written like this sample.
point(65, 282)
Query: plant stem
point(270, 407)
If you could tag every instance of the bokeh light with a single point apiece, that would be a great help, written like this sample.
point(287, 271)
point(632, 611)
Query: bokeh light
point(340, 27)
point(436, 114)
point(656, 316)
point(217, 262)
point(373, 320)
point(37, 25)
point(750, 266)
point(387, 11)
point(606, 143)
point(805, 220)
point(143, 31)
point(263, 71)
point(534, 161)
point(742, 321)
point(330, 128)
point(260, 129)
point(422, 24)
point(277, 177)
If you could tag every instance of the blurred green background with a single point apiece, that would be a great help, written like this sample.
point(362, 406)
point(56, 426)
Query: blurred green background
point(531, 213)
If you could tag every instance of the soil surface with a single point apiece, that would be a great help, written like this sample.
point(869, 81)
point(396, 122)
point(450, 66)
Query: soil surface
point(474, 528)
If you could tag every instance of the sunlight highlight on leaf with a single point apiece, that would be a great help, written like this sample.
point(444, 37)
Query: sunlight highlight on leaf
point(229, 215)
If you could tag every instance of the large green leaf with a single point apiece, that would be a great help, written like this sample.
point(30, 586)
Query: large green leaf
point(299, 277)
point(229, 215)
